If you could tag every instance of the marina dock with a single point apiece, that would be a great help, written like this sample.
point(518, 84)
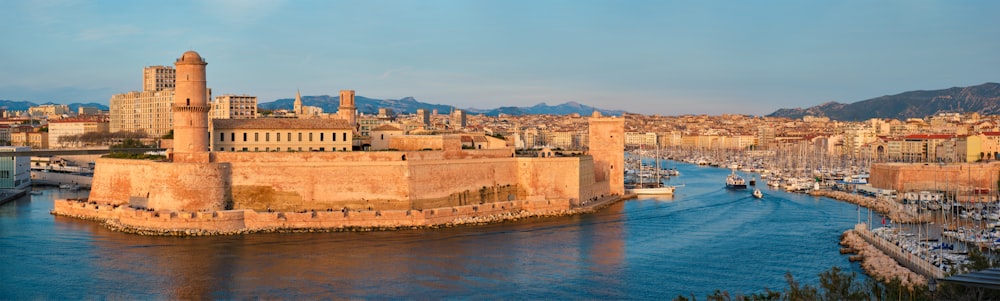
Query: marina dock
point(910, 261)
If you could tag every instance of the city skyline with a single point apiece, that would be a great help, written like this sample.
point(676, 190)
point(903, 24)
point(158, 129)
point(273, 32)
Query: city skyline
point(656, 57)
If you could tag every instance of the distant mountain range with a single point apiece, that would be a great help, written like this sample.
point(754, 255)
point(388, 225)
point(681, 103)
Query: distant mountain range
point(984, 99)
point(11, 105)
point(409, 105)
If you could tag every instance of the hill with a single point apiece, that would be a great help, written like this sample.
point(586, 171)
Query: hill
point(984, 99)
point(11, 105)
point(409, 105)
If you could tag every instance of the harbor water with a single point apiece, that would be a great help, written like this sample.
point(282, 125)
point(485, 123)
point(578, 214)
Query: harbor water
point(702, 239)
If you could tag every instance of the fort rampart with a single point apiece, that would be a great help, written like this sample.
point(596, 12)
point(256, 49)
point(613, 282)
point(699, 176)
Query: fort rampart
point(246, 221)
point(961, 178)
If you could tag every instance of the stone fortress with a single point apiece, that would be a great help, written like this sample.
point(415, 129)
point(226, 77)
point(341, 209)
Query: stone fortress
point(423, 181)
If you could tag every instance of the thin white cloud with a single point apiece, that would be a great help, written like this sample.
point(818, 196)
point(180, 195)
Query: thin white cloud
point(108, 33)
point(389, 72)
point(242, 12)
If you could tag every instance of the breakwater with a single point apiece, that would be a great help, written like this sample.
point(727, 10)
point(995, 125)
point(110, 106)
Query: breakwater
point(230, 222)
point(876, 263)
point(885, 206)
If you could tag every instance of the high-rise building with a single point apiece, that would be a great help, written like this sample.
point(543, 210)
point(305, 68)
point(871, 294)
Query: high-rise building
point(458, 119)
point(234, 107)
point(146, 111)
point(158, 78)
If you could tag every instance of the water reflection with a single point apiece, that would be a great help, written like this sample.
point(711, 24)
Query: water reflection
point(516, 259)
point(702, 239)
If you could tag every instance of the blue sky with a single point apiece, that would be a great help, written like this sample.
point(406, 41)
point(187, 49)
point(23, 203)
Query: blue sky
point(662, 57)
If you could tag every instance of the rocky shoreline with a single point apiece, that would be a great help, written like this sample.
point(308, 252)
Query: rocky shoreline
point(876, 264)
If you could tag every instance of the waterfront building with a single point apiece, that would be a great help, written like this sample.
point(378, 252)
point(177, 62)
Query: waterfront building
point(637, 139)
point(5, 131)
point(62, 131)
point(158, 78)
point(281, 134)
point(231, 106)
point(15, 171)
point(48, 110)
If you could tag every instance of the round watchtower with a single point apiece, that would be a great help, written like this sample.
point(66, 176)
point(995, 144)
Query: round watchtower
point(190, 109)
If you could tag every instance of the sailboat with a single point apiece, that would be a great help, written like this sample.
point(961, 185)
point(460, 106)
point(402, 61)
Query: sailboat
point(653, 188)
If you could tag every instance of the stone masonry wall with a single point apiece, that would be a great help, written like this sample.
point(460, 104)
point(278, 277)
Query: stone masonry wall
point(962, 177)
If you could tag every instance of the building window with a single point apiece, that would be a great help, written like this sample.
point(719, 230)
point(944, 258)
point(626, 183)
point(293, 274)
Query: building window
point(321, 137)
point(256, 137)
point(232, 136)
point(310, 137)
point(245, 149)
point(345, 136)
point(244, 137)
point(289, 137)
point(277, 137)
point(222, 136)
point(222, 149)
point(322, 149)
point(267, 137)
point(300, 139)
point(334, 135)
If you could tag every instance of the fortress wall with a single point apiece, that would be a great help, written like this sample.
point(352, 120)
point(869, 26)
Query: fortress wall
point(418, 142)
point(439, 179)
point(234, 221)
point(191, 187)
point(169, 186)
point(295, 186)
point(115, 180)
point(551, 178)
point(379, 156)
point(961, 177)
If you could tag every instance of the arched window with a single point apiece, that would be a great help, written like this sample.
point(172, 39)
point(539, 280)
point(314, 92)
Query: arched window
point(189, 102)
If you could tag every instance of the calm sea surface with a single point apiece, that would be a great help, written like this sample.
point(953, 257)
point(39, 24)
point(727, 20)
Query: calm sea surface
point(702, 239)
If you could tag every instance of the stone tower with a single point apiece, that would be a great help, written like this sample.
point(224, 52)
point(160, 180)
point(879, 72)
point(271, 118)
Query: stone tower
point(347, 110)
point(607, 147)
point(190, 110)
point(297, 106)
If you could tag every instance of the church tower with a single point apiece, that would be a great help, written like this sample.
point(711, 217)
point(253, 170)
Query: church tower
point(190, 110)
point(347, 110)
point(297, 106)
